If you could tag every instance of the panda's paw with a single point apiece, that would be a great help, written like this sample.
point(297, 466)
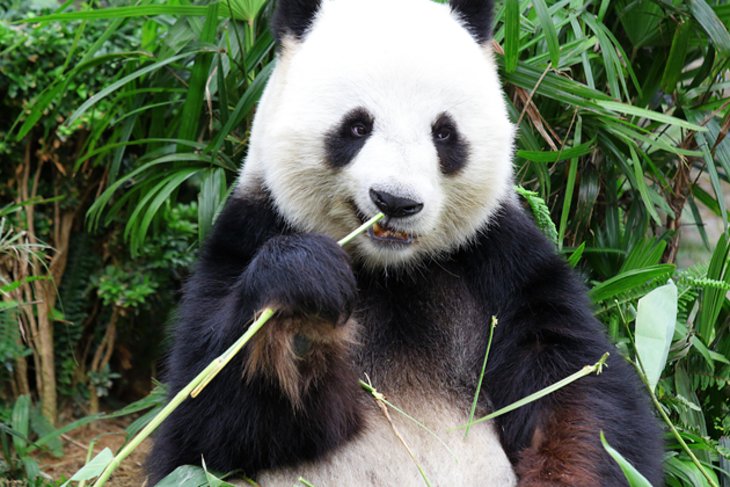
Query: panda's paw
point(309, 281)
point(306, 275)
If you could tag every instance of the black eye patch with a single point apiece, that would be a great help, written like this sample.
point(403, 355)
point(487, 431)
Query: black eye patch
point(451, 147)
point(345, 140)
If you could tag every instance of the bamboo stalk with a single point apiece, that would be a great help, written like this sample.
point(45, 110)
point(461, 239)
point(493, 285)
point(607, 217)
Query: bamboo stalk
point(587, 370)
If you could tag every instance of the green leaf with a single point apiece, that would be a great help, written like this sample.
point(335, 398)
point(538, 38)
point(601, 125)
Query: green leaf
point(121, 13)
point(648, 114)
point(677, 54)
point(576, 255)
point(629, 280)
point(92, 469)
point(632, 475)
point(541, 212)
point(214, 481)
point(560, 155)
point(187, 475)
point(655, 320)
point(118, 84)
point(511, 34)
point(196, 89)
point(711, 24)
point(570, 186)
point(212, 195)
point(20, 422)
point(548, 29)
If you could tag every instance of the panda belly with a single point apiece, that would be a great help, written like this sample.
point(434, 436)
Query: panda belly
point(376, 457)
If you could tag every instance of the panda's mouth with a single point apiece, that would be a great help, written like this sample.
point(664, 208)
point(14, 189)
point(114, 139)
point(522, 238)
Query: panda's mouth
point(382, 233)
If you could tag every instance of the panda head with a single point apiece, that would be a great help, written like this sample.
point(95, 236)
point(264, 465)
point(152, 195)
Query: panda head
point(384, 105)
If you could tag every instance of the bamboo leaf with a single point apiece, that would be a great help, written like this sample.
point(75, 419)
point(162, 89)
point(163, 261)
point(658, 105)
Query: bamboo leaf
point(648, 114)
point(118, 84)
point(711, 24)
point(677, 54)
point(555, 156)
point(633, 476)
point(655, 320)
point(548, 29)
point(511, 34)
point(194, 100)
point(121, 13)
point(628, 280)
point(92, 469)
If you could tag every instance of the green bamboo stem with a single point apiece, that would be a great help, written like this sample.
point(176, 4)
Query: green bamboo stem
point(473, 410)
point(204, 378)
point(665, 417)
point(587, 370)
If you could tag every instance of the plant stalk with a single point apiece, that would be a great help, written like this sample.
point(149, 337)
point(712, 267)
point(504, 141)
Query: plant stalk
point(473, 410)
point(587, 370)
point(668, 421)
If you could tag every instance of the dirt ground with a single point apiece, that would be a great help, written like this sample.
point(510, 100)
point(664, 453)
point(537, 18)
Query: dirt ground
point(108, 433)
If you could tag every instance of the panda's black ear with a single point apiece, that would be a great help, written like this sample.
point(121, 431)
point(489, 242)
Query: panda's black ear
point(476, 16)
point(293, 17)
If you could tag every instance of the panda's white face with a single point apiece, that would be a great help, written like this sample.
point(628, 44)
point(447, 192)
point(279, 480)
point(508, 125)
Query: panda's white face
point(384, 105)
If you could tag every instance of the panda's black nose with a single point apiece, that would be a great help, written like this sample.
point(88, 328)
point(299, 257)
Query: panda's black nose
point(395, 206)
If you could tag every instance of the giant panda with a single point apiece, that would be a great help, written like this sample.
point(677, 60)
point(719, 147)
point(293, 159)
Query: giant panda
point(392, 106)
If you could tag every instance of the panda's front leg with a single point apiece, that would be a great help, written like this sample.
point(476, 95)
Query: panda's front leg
point(308, 280)
point(292, 395)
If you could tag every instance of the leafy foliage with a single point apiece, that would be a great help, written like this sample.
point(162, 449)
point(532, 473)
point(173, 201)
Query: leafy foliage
point(142, 113)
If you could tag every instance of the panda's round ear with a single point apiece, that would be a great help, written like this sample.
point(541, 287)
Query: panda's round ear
point(476, 15)
point(293, 18)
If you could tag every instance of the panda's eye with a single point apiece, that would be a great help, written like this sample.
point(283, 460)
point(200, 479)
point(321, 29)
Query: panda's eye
point(443, 134)
point(359, 129)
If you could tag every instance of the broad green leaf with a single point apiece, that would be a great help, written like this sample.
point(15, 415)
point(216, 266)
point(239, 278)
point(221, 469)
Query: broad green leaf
point(42, 427)
point(92, 469)
point(187, 475)
point(245, 9)
point(677, 54)
point(633, 476)
point(20, 422)
point(214, 481)
point(655, 320)
point(511, 34)
point(712, 25)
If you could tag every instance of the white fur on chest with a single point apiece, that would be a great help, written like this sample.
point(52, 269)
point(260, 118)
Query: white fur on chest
point(378, 458)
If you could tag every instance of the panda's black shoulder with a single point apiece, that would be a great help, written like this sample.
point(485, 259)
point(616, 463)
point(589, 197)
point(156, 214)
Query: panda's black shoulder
point(246, 221)
point(511, 254)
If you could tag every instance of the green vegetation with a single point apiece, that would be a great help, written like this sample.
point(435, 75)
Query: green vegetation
point(123, 125)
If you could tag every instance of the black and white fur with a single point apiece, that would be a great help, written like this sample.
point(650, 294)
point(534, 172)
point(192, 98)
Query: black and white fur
point(395, 105)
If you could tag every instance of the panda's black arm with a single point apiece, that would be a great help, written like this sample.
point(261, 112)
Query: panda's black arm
point(546, 332)
point(246, 419)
